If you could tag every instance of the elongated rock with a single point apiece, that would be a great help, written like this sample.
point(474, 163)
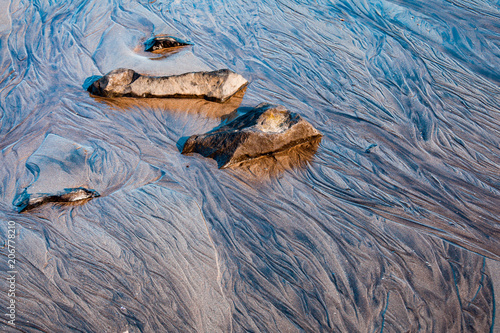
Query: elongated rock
point(28, 201)
point(265, 130)
point(216, 86)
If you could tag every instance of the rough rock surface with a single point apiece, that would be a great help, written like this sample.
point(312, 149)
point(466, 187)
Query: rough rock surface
point(69, 195)
point(160, 43)
point(265, 130)
point(216, 86)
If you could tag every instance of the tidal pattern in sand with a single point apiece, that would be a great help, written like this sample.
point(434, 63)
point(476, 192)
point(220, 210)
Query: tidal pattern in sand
point(392, 226)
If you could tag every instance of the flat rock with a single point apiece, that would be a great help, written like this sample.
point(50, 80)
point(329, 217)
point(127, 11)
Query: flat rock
point(216, 86)
point(263, 131)
point(164, 43)
point(28, 201)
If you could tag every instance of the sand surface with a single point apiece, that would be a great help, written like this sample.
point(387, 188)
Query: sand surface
point(391, 226)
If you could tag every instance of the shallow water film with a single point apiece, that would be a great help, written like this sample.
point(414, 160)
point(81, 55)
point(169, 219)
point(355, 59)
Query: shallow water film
point(391, 223)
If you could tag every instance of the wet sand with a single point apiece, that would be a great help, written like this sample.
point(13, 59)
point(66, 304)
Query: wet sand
point(389, 224)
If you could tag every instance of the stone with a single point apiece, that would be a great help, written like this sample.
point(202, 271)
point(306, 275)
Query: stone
point(263, 131)
point(215, 86)
point(69, 195)
point(163, 43)
point(122, 47)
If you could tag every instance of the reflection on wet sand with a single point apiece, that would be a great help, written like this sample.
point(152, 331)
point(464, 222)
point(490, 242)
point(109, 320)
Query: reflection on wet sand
point(197, 106)
point(264, 167)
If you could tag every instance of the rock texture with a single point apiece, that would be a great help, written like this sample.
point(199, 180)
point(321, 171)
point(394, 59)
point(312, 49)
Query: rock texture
point(69, 195)
point(161, 43)
point(216, 86)
point(263, 131)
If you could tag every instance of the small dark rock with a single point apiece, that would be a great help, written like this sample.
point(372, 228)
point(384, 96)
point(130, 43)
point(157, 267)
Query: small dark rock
point(160, 43)
point(216, 86)
point(60, 171)
point(263, 131)
point(69, 195)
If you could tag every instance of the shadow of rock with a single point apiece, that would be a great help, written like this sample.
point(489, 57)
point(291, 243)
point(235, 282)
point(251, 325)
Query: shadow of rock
point(89, 81)
point(263, 131)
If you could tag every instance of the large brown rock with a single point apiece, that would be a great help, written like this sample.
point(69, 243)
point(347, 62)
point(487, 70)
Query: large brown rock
point(60, 172)
point(263, 131)
point(216, 86)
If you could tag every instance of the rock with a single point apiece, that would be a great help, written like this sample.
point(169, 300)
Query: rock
point(273, 165)
point(162, 43)
point(66, 171)
point(263, 131)
point(216, 86)
point(69, 195)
